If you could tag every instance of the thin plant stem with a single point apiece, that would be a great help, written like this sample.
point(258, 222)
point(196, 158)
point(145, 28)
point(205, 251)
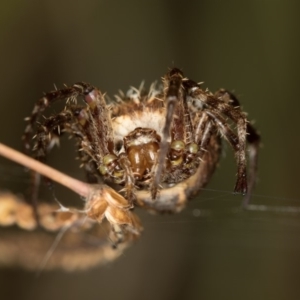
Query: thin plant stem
point(79, 187)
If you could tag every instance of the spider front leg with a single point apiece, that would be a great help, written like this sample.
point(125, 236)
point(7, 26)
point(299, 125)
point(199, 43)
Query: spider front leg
point(173, 93)
point(99, 144)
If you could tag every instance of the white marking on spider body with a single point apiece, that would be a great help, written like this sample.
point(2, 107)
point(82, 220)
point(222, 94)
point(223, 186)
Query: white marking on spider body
point(125, 124)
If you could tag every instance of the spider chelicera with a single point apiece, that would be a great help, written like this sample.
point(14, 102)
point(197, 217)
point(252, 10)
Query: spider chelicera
point(152, 148)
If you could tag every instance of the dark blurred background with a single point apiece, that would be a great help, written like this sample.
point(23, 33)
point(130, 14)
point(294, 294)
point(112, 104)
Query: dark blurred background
point(249, 47)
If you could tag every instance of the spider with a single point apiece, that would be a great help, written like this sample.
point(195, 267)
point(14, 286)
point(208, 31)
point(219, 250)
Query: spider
point(152, 148)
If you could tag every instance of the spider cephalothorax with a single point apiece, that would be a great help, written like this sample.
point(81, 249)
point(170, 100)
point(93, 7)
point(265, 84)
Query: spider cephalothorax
point(161, 146)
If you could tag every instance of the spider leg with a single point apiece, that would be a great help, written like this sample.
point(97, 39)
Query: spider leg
point(91, 125)
point(204, 132)
point(173, 94)
point(97, 124)
point(218, 105)
point(48, 133)
point(253, 139)
point(207, 130)
point(69, 93)
point(72, 121)
point(47, 136)
point(98, 129)
point(233, 140)
point(200, 127)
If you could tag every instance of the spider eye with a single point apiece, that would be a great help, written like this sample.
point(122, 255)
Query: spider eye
point(176, 152)
point(191, 151)
point(177, 145)
point(192, 148)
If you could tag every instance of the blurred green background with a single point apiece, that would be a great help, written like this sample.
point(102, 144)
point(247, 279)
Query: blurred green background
point(250, 47)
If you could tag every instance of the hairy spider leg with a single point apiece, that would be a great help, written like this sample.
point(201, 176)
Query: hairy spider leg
point(253, 140)
point(217, 105)
point(172, 81)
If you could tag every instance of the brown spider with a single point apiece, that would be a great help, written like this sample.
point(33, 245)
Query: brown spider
point(156, 148)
